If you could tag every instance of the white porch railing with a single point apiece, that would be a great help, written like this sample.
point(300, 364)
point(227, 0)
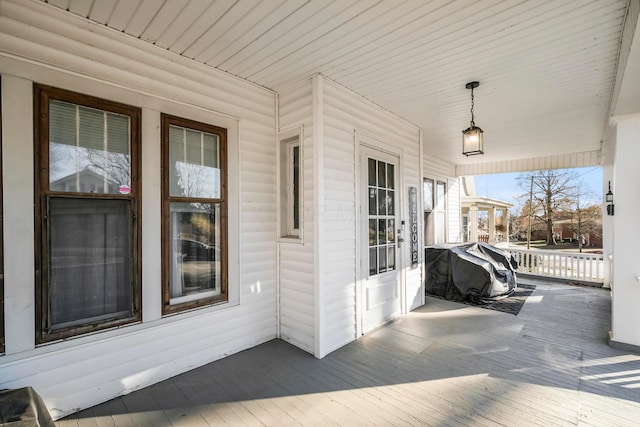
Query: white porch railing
point(565, 265)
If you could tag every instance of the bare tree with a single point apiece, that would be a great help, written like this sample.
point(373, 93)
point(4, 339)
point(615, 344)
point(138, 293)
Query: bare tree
point(547, 192)
point(115, 167)
point(588, 215)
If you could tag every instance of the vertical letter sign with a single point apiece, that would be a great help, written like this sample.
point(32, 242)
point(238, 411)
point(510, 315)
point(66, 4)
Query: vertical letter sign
point(413, 223)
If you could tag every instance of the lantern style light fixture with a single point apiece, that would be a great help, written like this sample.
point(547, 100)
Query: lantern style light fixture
point(472, 137)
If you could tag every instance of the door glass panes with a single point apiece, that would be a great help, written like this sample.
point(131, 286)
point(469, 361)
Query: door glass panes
point(390, 202)
point(373, 261)
point(390, 177)
point(89, 150)
point(382, 238)
point(382, 174)
point(391, 261)
point(372, 172)
point(382, 202)
point(382, 255)
point(382, 230)
point(373, 201)
point(373, 232)
point(194, 162)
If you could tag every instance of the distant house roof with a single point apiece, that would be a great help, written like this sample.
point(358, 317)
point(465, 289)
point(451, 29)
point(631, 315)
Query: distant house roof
point(84, 176)
point(469, 197)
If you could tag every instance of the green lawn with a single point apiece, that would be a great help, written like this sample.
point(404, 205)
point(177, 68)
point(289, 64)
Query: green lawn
point(567, 247)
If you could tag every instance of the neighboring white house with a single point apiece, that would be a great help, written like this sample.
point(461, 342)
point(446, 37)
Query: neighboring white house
point(471, 204)
point(243, 212)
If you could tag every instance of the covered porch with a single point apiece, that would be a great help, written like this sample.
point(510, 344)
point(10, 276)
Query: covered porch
point(496, 228)
point(443, 364)
point(318, 123)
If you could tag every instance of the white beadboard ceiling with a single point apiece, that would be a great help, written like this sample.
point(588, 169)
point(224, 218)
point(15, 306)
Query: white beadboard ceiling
point(547, 69)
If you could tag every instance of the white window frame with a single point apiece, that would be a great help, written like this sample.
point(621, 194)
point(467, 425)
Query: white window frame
point(287, 142)
point(441, 208)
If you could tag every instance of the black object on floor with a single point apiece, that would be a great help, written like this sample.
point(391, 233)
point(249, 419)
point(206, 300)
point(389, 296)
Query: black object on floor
point(23, 407)
point(511, 304)
point(469, 271)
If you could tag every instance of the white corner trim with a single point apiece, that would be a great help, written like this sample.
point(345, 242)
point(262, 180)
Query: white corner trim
point(318, 214)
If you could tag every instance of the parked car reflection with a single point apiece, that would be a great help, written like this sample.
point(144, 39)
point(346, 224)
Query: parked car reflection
point(200, 265)
point(193, 250)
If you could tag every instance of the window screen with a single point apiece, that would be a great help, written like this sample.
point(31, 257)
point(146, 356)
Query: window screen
point(87, 260)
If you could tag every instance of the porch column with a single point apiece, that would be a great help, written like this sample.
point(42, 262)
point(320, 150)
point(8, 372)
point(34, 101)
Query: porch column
point(625, 315)
point(505, 222)
point(492, 225)
point(473, 223)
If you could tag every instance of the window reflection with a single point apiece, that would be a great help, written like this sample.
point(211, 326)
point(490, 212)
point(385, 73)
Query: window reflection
point(194, 162)
point(195, 249)
point(89, 150)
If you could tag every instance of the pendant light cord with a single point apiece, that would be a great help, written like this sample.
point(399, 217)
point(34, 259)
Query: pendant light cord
point(472, 117)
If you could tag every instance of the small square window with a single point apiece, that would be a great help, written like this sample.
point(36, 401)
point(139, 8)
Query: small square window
point(291, 160)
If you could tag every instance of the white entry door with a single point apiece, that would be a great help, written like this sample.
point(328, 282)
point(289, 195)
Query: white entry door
point(380, 271)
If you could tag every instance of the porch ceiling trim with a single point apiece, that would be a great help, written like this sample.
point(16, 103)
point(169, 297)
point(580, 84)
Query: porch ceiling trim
point(572, 160)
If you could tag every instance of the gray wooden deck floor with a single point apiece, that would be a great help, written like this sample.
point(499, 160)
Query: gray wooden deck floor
point(443, 364)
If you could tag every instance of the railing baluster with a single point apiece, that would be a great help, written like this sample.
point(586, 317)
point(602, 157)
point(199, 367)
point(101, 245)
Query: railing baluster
point(560, 264)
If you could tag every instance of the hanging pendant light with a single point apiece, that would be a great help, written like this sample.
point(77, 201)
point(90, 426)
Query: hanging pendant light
point(472, 137)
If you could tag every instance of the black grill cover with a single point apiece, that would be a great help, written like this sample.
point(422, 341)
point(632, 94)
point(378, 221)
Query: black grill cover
point(23, 407)
point(477, 272)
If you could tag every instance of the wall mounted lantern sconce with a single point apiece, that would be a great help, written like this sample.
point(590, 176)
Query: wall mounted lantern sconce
point(609, 199)
point(472, 137)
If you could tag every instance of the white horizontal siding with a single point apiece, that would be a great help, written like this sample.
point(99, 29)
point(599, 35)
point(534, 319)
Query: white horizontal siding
point(46, 35)
point(295, 106)
point(38, 43)
point(344, 113)
point(434, 167)
point(295, 269)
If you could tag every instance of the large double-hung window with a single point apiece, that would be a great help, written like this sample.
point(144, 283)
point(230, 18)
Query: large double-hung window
point(194, 212)
point(87, 208)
